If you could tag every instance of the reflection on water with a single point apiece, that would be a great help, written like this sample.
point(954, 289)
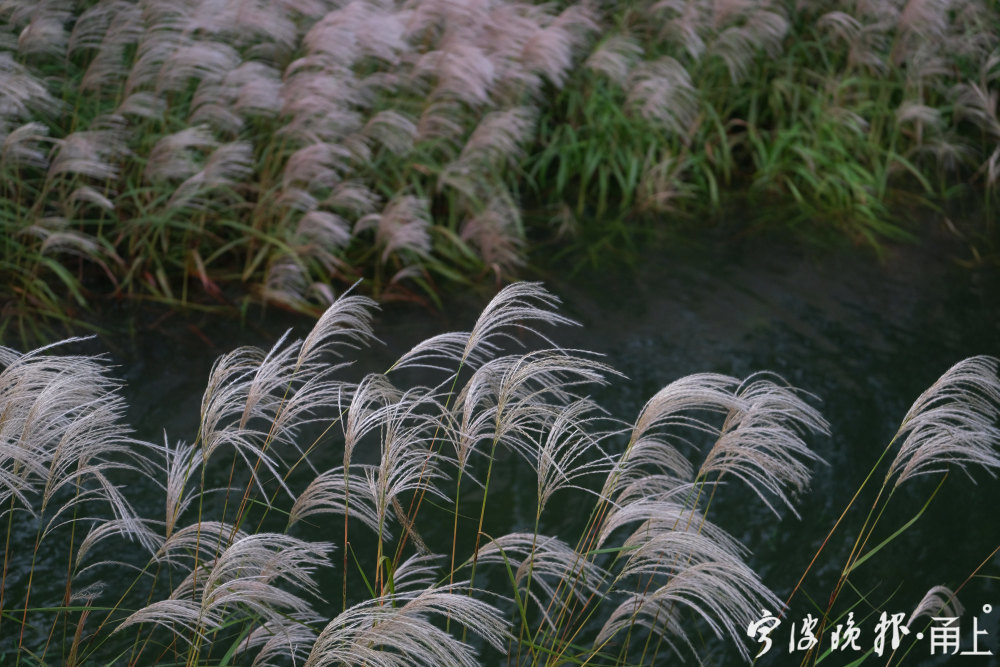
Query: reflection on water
point(865, 338)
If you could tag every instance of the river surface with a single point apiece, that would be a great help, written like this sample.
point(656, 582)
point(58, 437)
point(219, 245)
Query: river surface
point(864, 336)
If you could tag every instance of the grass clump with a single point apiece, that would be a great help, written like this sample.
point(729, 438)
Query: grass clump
point(833, 118)
point(318, 519)
point(184, 145)
point(173, 150)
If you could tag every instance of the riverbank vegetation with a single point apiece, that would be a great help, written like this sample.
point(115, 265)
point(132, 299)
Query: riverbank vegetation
point(318, 519)
point(203, 152)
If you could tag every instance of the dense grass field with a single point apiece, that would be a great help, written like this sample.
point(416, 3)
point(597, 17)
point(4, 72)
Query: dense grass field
point(213, 152)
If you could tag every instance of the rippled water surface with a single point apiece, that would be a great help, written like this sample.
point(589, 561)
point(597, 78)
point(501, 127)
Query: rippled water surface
point(865, 338)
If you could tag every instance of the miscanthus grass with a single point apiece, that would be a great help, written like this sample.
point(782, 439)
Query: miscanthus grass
point(318, 518)
point(205, 152)
point(840, 115)
point(167, 147)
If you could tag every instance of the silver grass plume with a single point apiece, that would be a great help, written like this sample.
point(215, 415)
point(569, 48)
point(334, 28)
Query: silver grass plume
point(322, 235)
point(81, 462)
point(154, 47)
point(500, 137)
point(263, 30)
point(322, 104)
point(653, 444)
point(202, 60)
point(58, 237)
point(654, 487)
point(684, 23)
point(357, 30)
point(256, 401)
point(663, 513)
point(661, 92)
point(738, 45)
point(316, 166)
point(334, 492)
point(401, 227)
point(866, 40)
point(570, 451)
point(278, 640)
point(921, 116)
point(443, 119)
point(174, 156)
point(369, 405)
point(615, 56)
point(841, 25)
point(521, 306)
point(45, 33)
point(430, 18)
point(923, 28)
point(496, 233)
point(950, 151)
point(972, 33)
point(504, 30)
point(558, 574)
point(406, 463)
point(237, 384)
point(352, 197)
point(257, 89)
point(550, 50)
point(197, 542)
point(255, 574)
point(953, 422)
point(91, 28)
point(396, 630)
point(142, 104)
point(121, 26)
point(252, 89)
point(61, 440)
point(463, 71)
point(392, 129)
point(926, 65)
point(938, 601)
point(91, 153)
point(286, 281)
point(245, 385)
point(229, 164)
point(346, 324)
point(515, 400)
point(180, 466)
point(977, 103)
point(89, 195)
point(126, 528)
point(20, 147)
point(670, 538)
point(761, 441)
point(925, 19)
point(212, 106)
point(22, 94)
point(699, 574)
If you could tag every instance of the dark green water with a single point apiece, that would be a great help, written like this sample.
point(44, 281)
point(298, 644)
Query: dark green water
point(865, 337)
